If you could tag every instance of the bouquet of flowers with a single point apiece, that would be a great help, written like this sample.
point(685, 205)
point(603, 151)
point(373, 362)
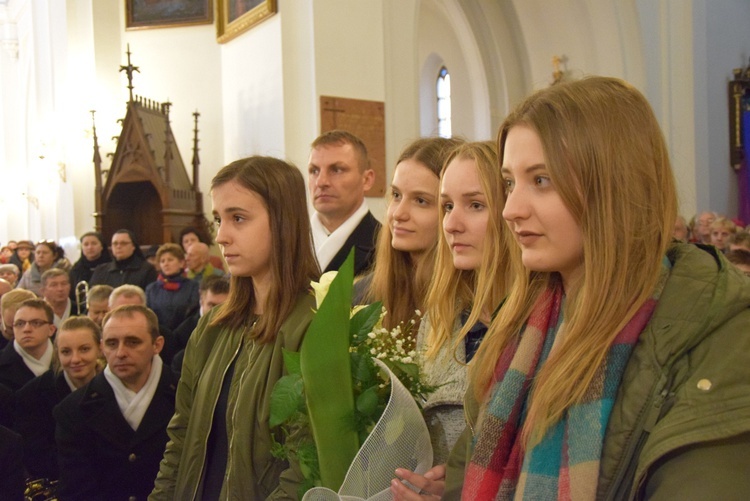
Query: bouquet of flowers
point(339, 383)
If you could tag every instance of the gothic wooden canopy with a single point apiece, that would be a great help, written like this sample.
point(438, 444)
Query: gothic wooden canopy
point(147, 188)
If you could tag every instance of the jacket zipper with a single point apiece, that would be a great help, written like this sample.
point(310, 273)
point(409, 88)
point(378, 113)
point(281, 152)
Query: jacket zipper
point(621, 487)
point(468, 421)
point(205, 442)
point(234, 412)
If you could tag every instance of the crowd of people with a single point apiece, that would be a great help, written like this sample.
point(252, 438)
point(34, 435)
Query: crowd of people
point(730, 236)
point(114, 324)
point(584, 340)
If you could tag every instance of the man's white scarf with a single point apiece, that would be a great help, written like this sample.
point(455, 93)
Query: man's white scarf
point(133, 405)
point(38, 367)
point(327, 245)
point(58, 321)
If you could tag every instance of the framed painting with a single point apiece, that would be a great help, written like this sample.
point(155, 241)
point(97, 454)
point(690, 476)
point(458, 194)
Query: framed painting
point(235, 17)
point(140, 14)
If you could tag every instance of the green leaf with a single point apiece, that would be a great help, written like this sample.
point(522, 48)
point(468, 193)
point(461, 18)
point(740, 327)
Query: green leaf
point(291, 361)
point(326, 370)
point(402, 368)
point(364, 369)
point(307, 456)
point(278, 450)
point(364, 320)
point(367, 402)
point(286, 398)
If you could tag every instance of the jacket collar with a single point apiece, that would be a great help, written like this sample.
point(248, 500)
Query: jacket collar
point(100, 410)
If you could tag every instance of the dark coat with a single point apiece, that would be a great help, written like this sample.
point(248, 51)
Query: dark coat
point(7, 405)
point(134, 270)
point(363, 240)
point(100, 456)
point(34, 422)
point(12, 479)
point(83, 270)
point(13, 371)
point(172, 306)
point(183, 331)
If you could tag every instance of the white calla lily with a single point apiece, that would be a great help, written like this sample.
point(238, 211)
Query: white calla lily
point(321, 287)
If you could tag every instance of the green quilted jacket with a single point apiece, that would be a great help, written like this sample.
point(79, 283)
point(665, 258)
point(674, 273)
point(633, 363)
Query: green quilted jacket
point(252, 473)
point(680, 427)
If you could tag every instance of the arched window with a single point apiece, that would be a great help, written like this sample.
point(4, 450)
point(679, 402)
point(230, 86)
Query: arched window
point(444, 102)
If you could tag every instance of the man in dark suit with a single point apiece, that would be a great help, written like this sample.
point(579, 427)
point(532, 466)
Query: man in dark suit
point(11, 453)
point(30, 353)
point(339, 174)
point(111, 433)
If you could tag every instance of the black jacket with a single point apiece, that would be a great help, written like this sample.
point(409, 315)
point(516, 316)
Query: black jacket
point(363, 240)
point(134, 271)
point(12, 480)
point(100, 456)
point(34, 422)
point(13, 371)
point(83, 269)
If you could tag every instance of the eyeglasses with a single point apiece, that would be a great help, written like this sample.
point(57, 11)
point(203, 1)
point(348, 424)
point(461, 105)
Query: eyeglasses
point(36, 323)
point(118, 243)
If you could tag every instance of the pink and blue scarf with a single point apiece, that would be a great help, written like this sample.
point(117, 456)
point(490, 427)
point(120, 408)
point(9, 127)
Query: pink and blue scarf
point(565, 463)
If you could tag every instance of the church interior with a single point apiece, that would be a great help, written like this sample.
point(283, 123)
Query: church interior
point(232, 84)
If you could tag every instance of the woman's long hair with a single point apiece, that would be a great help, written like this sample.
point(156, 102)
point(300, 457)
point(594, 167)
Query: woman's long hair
point(608, 161)
point(293, 263)
point(398, 282)
point(453, 291)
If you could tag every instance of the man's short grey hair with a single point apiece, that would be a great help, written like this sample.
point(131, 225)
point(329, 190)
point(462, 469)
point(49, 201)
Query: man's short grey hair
point(9, 267)
point(127, 290)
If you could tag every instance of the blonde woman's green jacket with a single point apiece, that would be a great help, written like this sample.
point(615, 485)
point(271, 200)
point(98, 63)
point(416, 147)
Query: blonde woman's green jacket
point(680, 426)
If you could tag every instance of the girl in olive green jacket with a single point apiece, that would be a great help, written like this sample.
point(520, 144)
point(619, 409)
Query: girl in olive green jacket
point(220, 440)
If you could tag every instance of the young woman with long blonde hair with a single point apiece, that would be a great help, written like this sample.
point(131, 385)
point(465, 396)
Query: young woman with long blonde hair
point(405, 250)
point(470, 280)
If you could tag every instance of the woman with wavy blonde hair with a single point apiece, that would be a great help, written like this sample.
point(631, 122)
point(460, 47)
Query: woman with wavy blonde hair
point(470, 280)
point(405, 250)
point(602, 374)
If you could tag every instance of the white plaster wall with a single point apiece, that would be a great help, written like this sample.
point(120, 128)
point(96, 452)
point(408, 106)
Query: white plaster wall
point(301, 124)
point(445, 38)
point(36, 202)
point(349, 61)
point(402, 121)
point(594, 36)
point(722, 43)
point(667, 37)
point(93, 43)
point(251, 92)
point(11, 131)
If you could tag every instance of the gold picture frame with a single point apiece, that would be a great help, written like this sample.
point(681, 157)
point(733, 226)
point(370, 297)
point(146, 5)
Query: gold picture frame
point(142, 14)
point(234, 17)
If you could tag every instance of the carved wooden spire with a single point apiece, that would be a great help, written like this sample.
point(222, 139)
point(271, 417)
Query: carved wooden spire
point(168, 140)
point(129, 69)
point(97, 166)
point(196, 158)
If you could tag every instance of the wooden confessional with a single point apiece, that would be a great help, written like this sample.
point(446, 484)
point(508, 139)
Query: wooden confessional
point(147, 188)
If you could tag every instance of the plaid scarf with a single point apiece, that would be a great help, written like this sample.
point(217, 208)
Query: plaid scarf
point(565, 463)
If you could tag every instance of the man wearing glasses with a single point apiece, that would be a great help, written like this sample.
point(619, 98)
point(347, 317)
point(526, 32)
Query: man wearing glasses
point(30, 353)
